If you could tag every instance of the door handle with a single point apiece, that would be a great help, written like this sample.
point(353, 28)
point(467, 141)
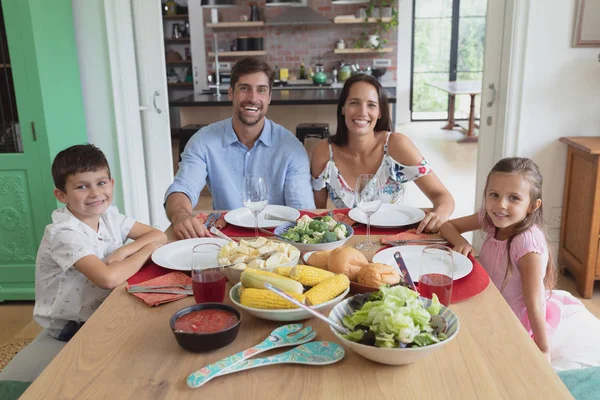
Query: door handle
point(493, 89)
point(156, 94)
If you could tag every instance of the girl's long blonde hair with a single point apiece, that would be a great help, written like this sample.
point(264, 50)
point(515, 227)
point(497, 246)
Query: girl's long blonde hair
point(530, 171)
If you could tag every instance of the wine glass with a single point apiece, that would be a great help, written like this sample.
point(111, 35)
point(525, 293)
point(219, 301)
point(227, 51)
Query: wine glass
point(437, 273)
point(256, 196)
point(368, 200)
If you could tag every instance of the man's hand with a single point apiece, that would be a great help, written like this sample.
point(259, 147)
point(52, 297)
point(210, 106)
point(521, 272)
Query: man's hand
point(186, 226)
point(431, 223)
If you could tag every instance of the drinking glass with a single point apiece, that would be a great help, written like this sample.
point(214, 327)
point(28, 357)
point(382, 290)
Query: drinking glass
point(437, 273)
point(368, 200)
point(256, 196)
point(208, 280)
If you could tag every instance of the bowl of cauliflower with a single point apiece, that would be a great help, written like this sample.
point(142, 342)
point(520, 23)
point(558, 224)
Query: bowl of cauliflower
point(314, 234)
point(258, 253)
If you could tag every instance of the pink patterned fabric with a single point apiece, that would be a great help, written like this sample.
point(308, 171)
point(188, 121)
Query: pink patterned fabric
point(494, 258)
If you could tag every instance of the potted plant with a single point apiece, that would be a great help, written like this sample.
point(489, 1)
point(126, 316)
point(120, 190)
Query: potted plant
point(387, 20)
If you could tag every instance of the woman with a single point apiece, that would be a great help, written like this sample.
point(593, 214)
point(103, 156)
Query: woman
point(364, 144)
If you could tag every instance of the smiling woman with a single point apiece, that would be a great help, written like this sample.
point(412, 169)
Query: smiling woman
point(365, 144)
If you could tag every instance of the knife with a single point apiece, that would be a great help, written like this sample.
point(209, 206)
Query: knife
point(186, 292)
point(404, 271)
point(164, 287)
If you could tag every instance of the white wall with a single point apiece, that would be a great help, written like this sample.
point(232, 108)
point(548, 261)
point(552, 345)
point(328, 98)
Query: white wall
point(92, 48)
point(561, 95)
point(404, 61)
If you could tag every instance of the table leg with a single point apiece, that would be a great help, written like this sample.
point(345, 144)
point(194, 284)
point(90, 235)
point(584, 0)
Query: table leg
point(451, 123)
point(471, 137)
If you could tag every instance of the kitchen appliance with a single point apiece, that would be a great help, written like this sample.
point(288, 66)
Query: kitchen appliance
point(319, 77)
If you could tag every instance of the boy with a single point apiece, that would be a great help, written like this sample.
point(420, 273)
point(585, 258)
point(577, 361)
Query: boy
point(82, 256)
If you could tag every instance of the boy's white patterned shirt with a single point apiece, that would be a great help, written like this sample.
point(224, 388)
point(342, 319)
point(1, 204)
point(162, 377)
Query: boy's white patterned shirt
point(62, 293)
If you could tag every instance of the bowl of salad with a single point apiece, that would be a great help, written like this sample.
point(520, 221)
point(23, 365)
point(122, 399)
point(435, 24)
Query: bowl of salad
point(394, 325)
point(314, 234)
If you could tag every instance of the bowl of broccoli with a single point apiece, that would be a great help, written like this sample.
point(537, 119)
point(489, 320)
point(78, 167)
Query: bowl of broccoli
point(314, 234)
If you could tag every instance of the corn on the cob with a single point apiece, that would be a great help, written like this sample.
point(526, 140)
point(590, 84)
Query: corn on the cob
point(265, 299)
point(309, 276)
point(283, 271)
point(253, 278)
point(327, 290)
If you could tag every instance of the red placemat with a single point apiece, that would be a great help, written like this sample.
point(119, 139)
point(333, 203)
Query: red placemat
point(472, 284)
point(147, 272)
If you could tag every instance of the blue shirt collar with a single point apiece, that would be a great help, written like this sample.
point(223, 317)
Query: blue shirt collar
point(230, 137)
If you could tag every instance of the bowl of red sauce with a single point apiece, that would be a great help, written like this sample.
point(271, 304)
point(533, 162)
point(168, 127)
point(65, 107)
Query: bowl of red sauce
point(206, 326)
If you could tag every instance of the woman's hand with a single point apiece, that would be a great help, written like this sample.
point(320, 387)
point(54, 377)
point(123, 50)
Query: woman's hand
point(431, 223)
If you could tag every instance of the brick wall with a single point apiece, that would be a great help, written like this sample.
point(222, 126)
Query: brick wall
point(288, 46)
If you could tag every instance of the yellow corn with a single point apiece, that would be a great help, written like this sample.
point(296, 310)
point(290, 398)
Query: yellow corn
point(283, 271)
point(254, 278)
point(265, 299)
point(327, 290)
point(309, 276)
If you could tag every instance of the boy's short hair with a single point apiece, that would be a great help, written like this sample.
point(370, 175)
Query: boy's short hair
point(76, 159)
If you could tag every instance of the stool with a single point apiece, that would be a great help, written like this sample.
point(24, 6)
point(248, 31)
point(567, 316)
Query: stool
point(185, 134)
point(310, 134)
point(314, 130)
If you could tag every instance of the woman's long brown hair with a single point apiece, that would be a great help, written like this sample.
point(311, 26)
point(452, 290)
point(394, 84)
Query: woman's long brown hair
point(529, 171)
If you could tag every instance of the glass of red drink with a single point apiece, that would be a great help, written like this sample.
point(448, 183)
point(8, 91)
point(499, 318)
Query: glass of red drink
point(208, 280)
point(437, 272)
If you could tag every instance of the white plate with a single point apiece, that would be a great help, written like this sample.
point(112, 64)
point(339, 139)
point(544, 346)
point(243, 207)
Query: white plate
point(389, 216)
point(178, 255)
point(244, 218)
point(412, 259)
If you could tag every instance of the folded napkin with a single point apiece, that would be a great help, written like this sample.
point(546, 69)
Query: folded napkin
point(220, 224)
point(411, 234)
point(155, 299)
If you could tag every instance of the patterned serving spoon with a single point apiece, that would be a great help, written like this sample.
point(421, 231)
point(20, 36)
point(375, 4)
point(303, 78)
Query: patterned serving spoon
point(313, 353)
point(286, 335)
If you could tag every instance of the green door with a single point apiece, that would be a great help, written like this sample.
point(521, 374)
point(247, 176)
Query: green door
point(42, 116)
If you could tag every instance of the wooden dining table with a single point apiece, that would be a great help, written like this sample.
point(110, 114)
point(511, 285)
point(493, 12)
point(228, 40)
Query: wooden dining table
point(126, 350)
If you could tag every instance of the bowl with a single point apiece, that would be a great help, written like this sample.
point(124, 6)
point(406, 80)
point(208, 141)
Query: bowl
point(233, 274)
point(378, 72)
point(281, 229)
point(199, 342)
point(294, 314)
point(396, 356)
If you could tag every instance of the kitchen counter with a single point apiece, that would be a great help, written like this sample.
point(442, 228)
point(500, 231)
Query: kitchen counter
point(316, 96)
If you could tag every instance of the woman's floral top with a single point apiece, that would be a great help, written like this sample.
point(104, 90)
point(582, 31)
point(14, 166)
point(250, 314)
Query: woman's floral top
point(391, 172)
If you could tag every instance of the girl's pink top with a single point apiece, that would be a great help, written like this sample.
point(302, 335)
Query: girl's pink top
point(494, 258)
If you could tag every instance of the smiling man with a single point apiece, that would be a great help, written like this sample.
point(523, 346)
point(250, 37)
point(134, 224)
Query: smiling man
point(223, 153)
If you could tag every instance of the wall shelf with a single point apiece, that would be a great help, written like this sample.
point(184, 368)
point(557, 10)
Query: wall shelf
point(363, 51)
point(177, 41)
point(176, 17)
point(338, 20)
point(239, 53)
point(249, 24)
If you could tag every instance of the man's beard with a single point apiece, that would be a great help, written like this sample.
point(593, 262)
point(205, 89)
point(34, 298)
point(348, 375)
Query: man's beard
point(247, 120)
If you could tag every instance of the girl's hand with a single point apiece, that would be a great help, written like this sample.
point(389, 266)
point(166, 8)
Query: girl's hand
point(547, 355)
point(465, 249)
point(431, 223)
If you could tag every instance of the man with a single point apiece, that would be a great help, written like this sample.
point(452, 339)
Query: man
point(221, 154)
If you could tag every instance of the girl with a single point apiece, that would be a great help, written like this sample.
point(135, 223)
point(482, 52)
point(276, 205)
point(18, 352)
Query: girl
point(515, 255)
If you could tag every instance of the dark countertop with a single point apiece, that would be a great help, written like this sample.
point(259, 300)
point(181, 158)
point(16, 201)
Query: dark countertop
point(279, 97)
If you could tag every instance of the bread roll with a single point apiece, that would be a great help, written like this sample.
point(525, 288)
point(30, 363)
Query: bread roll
point(319, 259)
point(376, 274)
point(347, 261)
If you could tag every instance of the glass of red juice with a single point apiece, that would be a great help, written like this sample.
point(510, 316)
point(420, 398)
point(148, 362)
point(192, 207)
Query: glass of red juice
point(437, 272)
point(208, 280)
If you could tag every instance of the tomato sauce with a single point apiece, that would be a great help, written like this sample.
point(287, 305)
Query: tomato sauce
point(206, 321)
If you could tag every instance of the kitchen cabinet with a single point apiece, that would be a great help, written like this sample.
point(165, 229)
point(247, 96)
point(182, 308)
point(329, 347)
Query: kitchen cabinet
point(580, 224)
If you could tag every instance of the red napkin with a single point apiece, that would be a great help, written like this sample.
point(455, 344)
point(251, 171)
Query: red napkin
point(220, 224)
point(411, 234)
point(171, 278)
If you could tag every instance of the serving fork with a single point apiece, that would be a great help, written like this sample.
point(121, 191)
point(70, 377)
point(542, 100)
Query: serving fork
point(413, 241)
point(272, 217)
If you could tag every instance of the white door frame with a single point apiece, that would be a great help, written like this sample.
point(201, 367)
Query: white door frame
point(501, 138)
point(130, 145)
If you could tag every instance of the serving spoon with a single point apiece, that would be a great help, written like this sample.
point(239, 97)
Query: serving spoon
point(272, 217)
